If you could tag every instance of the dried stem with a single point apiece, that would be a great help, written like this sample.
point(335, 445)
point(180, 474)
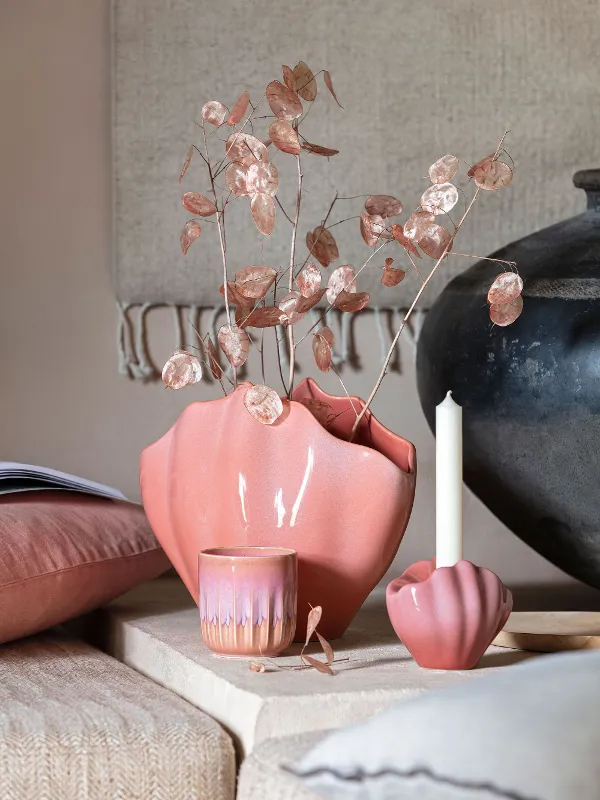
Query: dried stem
point(414, 263)
point(285, 214)
point(484, 258)
point(344, 388)
point(291, 278)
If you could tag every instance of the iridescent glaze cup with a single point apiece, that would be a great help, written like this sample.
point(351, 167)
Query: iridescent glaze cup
point(248, 599)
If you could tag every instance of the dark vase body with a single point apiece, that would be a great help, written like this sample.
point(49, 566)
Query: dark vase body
point(530, 391)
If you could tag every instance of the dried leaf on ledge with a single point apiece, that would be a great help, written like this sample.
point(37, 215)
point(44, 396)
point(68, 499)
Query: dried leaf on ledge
point(262, 178)
point(341, 278)
point(266, 317)
point(263, 403)
point(439, 198)
point(239, 109)
point(214, 112)
point(189, 234)
point(284, 103)
point(254, 282)
point(322, 245)
point(235, 343)
point(181, 369)
point(327, 648)
point(318, 665)
point(263, 212)
point(444, 169)
point(187, 162)
point(198, 204)
point(243, 148)
point(309, 280)
point(384, 205)
point(306, 85)
point(322, 346)
point(318, 150)
point(329, 85)
point(314, 618)
point(256, 666)
point(505, 288)
point(284, 137)
point(345, 301)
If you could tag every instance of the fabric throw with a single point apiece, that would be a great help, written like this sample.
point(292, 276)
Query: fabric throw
point(417, 81)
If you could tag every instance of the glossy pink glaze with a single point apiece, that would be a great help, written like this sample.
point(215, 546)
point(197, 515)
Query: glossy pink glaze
point(247, 599)
point(448, 617)
point(219, 478)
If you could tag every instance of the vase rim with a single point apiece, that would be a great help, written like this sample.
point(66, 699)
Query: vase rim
point(248, 553)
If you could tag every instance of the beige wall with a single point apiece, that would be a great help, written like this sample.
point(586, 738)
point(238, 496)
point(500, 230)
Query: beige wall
point(63, 403)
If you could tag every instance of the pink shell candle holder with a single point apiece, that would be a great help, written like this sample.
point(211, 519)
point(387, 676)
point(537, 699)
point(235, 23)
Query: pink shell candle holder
point(247, 599)
point(448, 617)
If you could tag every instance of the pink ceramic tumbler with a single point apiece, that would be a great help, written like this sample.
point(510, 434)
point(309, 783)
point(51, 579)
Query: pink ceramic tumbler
point(247, 599)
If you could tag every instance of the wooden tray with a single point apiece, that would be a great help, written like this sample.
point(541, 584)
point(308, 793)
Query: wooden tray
point(551, 631)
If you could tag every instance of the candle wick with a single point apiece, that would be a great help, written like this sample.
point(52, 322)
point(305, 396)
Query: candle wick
point(449, 394)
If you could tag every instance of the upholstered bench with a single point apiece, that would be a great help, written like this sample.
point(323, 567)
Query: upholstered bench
point(75, 724)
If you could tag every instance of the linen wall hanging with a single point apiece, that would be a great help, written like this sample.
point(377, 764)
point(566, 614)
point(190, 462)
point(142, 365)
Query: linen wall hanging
point(417, 80)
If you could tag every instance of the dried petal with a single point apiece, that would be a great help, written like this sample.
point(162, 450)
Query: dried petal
point(245, 149)
point(263, 404)
point(263, 212)
point(266, 317)
point(236, 176)
point(342, 278)
point(392, 276)
point(235, 296)
point(329, 85)
point(492, 175)
point(283, 101)
point(198, 204)
point(327, 648)
point(306, 303)
point(239, 109)
point(351, 302)
point(189, 234)
point(506, 313)
point(235, 343)
point(322, 347)
point(439, 198)
point(417, 225)
point(214, 112)
point(306, 85)
point(284, 137)
point(320, 410)
point(289, 78)
point(505, 288)
point(187, 162)
point(254, 282)
point(256, 666)
point(262, 178)
point(318, 150)
point(372, 228)
point(321, 244)
point(481, 164)
point(383, 204)
point(181, 369)
point(309, 280)
point(318, 665)
point(399, 236)
point(213, 359)
point(444, 169)
point(289, 306)
point(314, 617)
point(435, 241)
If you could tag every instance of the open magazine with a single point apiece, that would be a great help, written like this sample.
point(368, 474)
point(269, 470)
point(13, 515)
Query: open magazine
point(28, 478)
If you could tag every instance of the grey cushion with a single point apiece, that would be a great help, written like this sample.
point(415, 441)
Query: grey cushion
point(530, 732)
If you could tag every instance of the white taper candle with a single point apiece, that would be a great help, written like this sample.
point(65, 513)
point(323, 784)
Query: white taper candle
point(448, 482)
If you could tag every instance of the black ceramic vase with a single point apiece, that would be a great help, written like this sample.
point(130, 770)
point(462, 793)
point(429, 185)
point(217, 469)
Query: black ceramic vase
point(530, 391)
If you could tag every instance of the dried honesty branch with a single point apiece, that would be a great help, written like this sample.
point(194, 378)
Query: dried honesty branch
point(505, 288)
point(263, 212)
point(239, 109)
point(263, 403)
point(399, 236)
point(341, 278)
point(439, 198)
point(289, 78)
point(189, 234)
point(322, 347)
point(254, 282)
point(198, 204)
point(444, 169)
point(506, 313)
point(283, 101)
point(289, 306)
point(235, 343)
point(306, 303)
point(383, 205)
point(213, 359)
point(284, 137)
point(187, 162)
point(309, 280)
point(214, 112)
point(322, 245)
point(262, 178)
point(491, 175)
point(320, 410)
point(329, 85)
point(318, 150)
point(266, 317)
point(435, 241)
point(181, 369)
point(256, 666)
point(306, 85)
point(236, 176)
point(245, 149)
point(372, 228)
point(351, 302)
point(417, 225)
point(391, 275)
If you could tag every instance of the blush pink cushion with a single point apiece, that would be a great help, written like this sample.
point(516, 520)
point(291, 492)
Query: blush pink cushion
point(62, 554)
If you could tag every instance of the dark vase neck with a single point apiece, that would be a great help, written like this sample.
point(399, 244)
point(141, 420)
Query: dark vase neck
point(589, 181)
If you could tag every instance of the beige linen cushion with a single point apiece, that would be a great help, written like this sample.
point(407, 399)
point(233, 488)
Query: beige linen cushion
point(75, 724)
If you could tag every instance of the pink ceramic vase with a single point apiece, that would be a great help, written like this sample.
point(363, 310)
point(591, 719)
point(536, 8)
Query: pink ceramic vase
point(448, 617)
point(219, 478)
